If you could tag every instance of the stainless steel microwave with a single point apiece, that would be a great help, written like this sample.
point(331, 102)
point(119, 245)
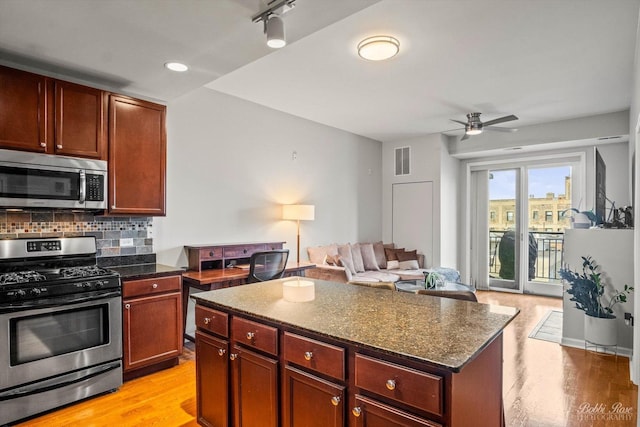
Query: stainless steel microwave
point(33, 180)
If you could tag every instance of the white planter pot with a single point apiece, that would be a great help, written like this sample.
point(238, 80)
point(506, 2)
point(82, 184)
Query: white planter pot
point(600, 331)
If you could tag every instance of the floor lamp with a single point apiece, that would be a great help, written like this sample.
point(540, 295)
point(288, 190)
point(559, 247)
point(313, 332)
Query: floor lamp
point(298, 213)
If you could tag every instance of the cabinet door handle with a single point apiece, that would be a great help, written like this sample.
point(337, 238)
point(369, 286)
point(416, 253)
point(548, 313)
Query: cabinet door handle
point(221, 351)
point(59, 146)
point(207, 320)
point(356, 411)
point(391, 384)
point(233, 356)
point(250, 335)
point(43, 144)
point(308, 355)
point(335, 400)
point(154, 286)
point(127, 306)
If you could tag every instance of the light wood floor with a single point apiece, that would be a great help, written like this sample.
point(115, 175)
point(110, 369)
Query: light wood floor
point(544, 384)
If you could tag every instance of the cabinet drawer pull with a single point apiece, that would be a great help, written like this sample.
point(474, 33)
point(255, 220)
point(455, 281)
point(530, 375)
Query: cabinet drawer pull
point(391, 384)
point(127, 306)
point(308, 355)
point(207, 320)
point(43, 144)
point(154, 286)
point(356, 411)
point(221, 351)
point(59, 146)
point(335, 400)
point(250, 335)
point(233, 356)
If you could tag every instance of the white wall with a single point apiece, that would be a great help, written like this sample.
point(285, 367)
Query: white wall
point(230, 167)
point(634, 149)
point(430, 161)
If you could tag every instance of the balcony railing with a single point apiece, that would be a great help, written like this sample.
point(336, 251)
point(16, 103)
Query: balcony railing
point(548, 261)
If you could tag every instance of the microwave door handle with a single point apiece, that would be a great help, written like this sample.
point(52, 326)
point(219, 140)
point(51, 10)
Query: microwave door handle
point(83, 186)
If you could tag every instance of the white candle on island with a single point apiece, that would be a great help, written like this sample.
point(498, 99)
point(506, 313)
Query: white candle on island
point(298, 290)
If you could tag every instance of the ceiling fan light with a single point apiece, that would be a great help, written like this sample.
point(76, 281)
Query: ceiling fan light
point(274, 27)
point(176, 66)
point(378, 48)
point(473, 131)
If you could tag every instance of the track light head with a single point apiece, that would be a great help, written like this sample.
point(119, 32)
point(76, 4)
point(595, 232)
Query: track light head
point(274, 28)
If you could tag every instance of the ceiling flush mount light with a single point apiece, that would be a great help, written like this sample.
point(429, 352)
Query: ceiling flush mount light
point(378, 48)
point(176, 66)
point(273, 23)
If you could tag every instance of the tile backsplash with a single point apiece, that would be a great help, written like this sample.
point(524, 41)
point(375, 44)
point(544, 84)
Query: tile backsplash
point(107, 230)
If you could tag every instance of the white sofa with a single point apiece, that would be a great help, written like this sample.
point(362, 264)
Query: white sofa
point(365, 262)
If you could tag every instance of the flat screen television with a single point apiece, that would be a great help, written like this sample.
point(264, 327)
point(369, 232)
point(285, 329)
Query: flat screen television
point(601, 188)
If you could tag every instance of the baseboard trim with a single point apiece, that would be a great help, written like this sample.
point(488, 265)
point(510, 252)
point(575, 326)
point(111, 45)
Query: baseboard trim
point(575, 343)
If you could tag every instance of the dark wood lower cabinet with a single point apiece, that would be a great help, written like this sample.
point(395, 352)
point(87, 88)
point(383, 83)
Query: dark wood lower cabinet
point(310, 401)
point(212, 380)
point(370, 413)
point(255, 388)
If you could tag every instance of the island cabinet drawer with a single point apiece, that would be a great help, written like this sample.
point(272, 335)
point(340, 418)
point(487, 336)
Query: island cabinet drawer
point(134, 288)
point(212, 320)
point(409, 386)
point(314, 355)
point(254, 335)
point(369, 412)
point(244, 251)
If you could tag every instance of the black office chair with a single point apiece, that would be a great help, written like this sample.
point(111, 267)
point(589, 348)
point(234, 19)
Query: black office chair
point(462, 295)
point(267, 265)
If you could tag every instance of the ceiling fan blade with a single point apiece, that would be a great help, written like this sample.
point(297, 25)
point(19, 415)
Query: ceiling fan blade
point(458, 121)
point(500, 120)
point(465, 136)
point(497, 129)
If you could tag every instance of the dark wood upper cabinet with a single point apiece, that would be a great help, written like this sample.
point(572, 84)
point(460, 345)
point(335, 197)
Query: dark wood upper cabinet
point(80, 121)
point(25, 123)
point(137, 157)
point(51, 116)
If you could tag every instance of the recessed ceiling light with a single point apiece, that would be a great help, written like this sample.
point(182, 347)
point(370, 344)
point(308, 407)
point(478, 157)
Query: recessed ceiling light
point(176, 66)
point(378, 48)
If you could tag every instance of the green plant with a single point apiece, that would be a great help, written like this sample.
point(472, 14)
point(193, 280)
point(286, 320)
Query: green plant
point(587, 290)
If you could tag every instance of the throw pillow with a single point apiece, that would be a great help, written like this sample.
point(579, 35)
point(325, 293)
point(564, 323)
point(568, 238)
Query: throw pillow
point(369, 257)
point(391, 254)
point(346, 258)
point(393, 264)
point(333, 260)
point(356, 254)
point(381, 258)
point(407, 255)
point(317, 254)
point(411, 264)
point(347, 263)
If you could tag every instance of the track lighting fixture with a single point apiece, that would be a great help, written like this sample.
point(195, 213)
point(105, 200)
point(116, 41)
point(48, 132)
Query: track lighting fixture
point(273, 23)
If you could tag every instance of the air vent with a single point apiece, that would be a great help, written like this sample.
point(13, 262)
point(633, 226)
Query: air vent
point(403, 161)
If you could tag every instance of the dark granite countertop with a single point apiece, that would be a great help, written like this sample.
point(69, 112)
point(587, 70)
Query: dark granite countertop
point(443, 331)
point(143, 271)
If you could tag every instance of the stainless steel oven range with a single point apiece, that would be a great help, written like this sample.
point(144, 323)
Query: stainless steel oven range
point(60, 325)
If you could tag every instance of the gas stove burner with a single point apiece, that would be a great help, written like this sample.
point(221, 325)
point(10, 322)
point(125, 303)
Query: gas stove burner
point(84, 271)
point(21, 277)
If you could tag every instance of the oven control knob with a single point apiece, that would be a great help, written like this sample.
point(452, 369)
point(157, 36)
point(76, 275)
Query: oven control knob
point(19, 294)
point(35, 292)
point(99, 285)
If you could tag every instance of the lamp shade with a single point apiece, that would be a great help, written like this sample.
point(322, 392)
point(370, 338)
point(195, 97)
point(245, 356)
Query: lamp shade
point(299, 212)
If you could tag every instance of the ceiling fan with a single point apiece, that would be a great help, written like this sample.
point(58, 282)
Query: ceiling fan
point(474, 126)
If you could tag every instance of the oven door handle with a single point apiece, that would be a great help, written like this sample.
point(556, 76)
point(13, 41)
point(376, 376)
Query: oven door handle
point(36, 388)
point(61, 301)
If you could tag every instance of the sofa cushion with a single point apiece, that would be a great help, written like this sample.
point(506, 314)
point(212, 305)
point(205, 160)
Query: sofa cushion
point(356, 255)
point(411, 264)
point(369, 256)
point(381, 276)
point(391, 253)
point(318, 254)
point(393, 264)
point(346, 258)
point(381, 259)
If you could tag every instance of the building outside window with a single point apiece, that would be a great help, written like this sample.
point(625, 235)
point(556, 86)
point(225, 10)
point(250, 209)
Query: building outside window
point(493, 215)
point(548, 215)
point(534, 214)
point(510, 216)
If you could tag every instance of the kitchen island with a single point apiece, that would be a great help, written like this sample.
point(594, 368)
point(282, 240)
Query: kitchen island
point(352, 356)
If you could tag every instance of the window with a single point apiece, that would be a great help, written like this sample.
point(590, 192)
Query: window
point(548, 216)
point(535, 215)
point(493, 215)
point(510, 216)
point(560, 216)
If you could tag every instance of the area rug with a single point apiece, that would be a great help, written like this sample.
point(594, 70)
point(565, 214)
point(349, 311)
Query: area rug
point(549, 328)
